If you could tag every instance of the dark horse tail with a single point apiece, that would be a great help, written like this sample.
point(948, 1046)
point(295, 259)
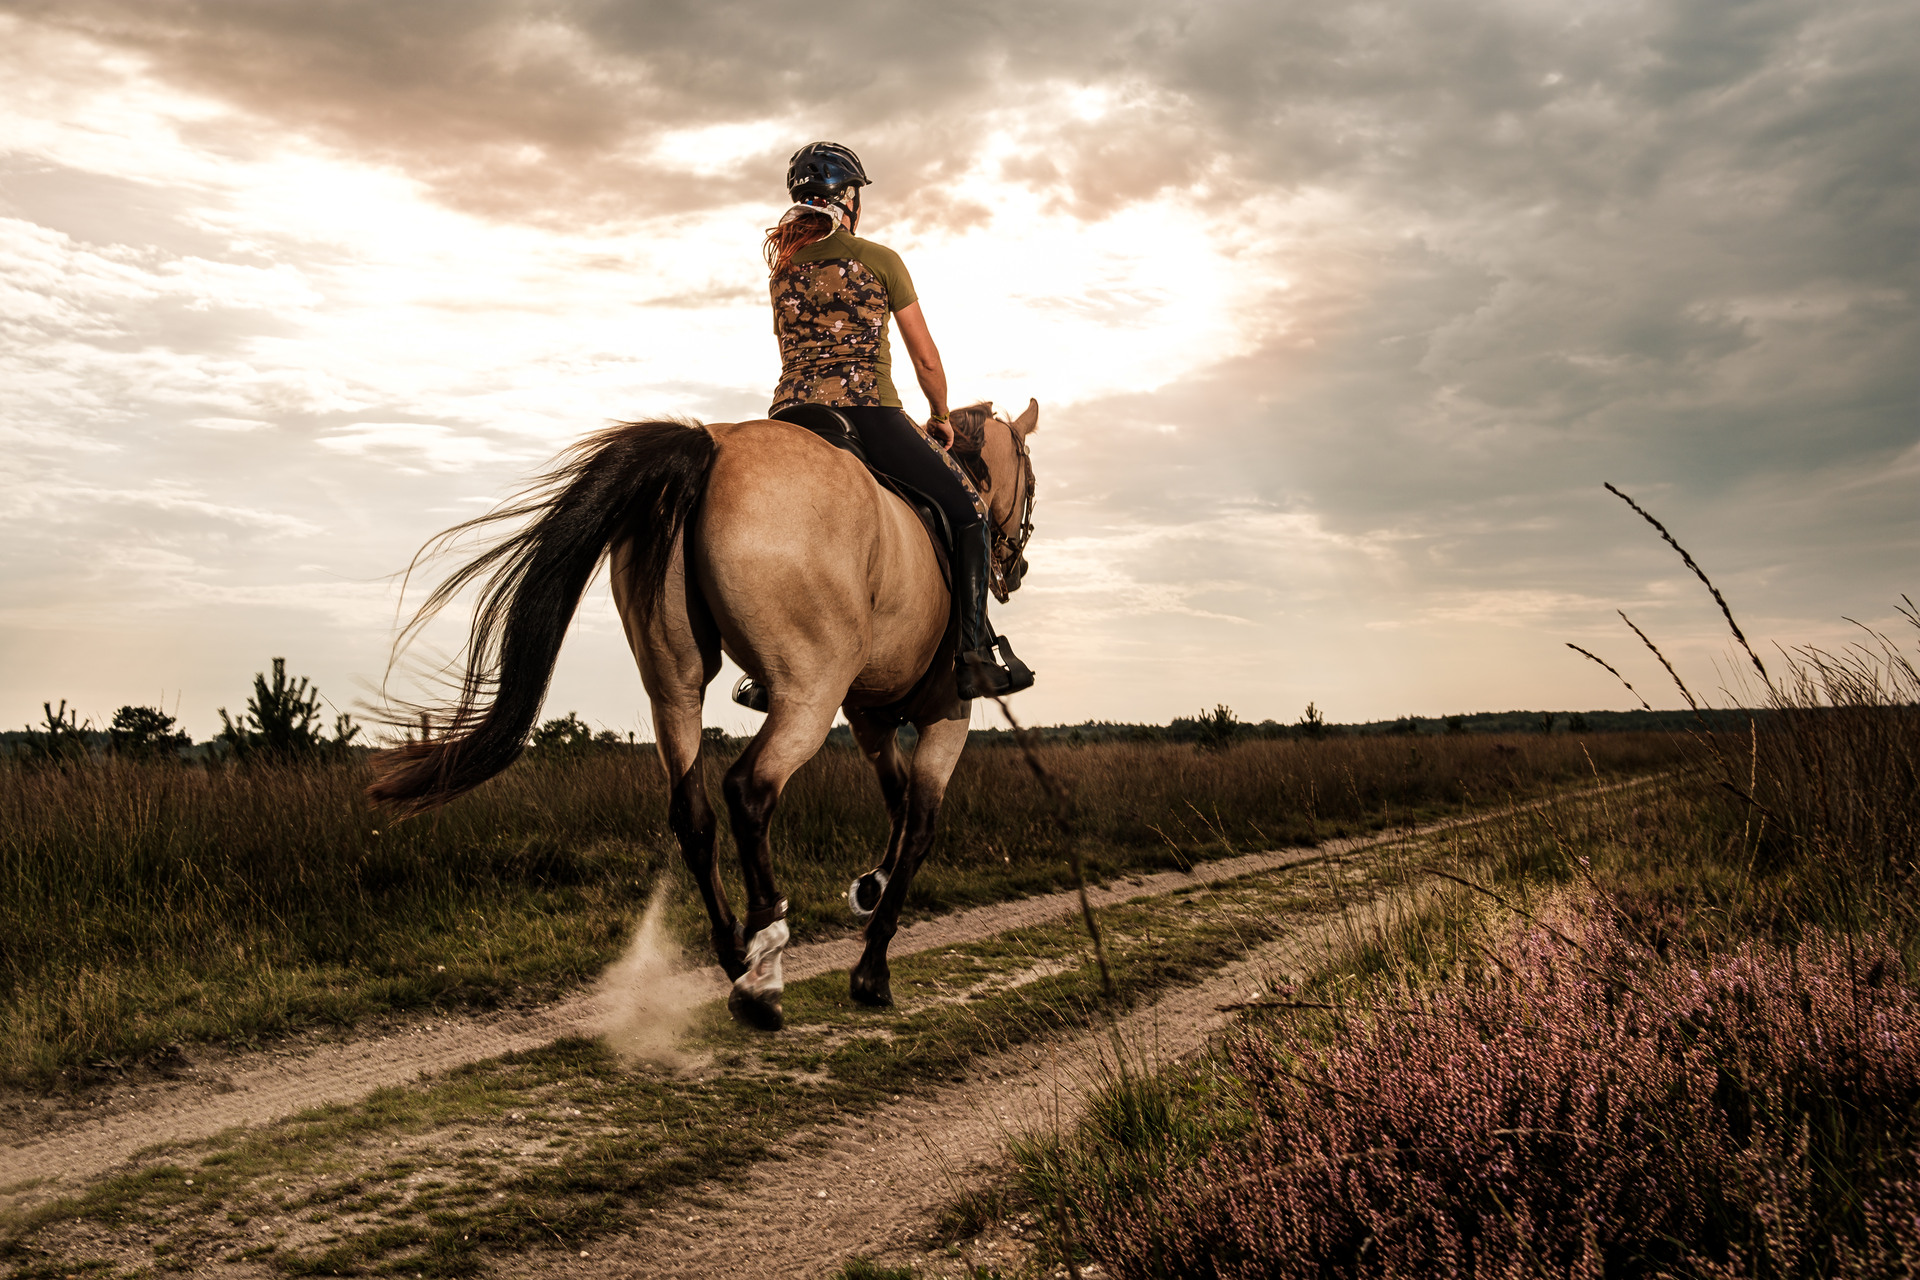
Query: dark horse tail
point(639, 481)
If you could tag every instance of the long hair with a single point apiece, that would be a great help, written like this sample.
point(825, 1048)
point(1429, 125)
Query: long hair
point(789, 238)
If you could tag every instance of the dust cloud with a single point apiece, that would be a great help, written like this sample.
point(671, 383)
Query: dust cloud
point(648, 996)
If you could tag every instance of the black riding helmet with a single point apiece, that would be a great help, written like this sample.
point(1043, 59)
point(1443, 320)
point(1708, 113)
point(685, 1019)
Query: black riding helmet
point(824, 169)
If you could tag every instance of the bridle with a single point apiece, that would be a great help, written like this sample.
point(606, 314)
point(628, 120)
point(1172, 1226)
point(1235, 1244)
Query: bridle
point(1007, 551)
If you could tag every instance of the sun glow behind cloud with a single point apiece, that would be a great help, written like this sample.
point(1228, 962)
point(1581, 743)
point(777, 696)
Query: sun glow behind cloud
point(367, 330)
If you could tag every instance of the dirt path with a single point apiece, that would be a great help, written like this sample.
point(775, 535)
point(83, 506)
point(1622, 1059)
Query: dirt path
point(254, 1089)
point(883, 1178)
point(62, 1150)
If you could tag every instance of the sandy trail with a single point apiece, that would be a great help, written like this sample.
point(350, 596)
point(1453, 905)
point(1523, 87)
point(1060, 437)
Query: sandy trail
point(879, 1185)
point(257, 1088)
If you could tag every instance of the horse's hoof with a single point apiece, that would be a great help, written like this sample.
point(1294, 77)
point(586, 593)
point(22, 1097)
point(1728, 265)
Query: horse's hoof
point(874, 997)
point(863, 895)
point(760, 1014)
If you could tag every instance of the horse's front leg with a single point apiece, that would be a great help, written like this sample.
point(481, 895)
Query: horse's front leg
point(793, 731)
point(880, 743)
point(937, 752)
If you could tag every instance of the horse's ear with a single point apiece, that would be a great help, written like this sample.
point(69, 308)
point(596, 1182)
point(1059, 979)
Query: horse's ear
point(1029, 420)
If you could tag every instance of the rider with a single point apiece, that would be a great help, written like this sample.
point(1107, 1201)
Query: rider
point(832, 293)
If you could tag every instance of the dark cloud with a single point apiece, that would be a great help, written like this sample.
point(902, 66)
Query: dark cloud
point(540, 110)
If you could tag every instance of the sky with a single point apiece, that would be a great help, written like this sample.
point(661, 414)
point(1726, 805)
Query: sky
point(1338, 316)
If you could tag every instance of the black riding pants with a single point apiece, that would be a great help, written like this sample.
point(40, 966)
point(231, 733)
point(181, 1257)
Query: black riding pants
point(901, 450)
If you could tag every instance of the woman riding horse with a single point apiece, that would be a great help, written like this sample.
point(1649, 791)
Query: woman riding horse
point(762, 542)
point(832, 294)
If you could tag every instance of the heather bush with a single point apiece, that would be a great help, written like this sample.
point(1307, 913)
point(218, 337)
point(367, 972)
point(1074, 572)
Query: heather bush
point(1581, 1108)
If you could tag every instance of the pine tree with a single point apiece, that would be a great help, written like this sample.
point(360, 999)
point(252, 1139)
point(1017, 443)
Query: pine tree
point(282, 723)
point(145, 733)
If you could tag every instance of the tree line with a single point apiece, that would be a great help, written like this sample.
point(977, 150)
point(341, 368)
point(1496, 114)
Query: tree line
point(283, 723)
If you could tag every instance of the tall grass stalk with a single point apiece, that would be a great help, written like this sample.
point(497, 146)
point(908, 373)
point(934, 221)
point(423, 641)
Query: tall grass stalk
point(1828, 779)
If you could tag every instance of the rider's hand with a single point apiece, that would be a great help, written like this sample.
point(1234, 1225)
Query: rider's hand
point(942, 433)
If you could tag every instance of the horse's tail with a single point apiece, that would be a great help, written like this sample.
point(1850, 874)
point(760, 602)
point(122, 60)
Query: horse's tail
point(638, 480)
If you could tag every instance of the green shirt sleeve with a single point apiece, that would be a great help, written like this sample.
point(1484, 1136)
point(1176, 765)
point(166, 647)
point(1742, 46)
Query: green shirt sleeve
point(886, 264)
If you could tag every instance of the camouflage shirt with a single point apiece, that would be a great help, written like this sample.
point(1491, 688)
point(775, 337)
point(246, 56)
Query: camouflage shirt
point(830, 314)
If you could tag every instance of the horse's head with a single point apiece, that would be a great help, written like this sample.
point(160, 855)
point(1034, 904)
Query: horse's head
point(994, 452)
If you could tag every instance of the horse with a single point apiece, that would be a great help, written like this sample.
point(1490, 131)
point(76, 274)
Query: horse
point(762, 541)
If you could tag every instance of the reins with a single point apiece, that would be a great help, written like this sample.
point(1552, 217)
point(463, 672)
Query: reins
point(1008, 550)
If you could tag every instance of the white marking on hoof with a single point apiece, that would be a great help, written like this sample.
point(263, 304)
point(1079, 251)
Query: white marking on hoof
point(762, 980)
point(860, 913)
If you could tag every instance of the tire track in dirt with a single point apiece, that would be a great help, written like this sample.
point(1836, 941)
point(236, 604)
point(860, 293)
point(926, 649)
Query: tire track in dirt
point(257, 1088)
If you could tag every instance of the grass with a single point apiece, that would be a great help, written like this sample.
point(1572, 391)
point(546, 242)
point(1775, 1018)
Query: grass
point(1462, 1091)
point(860, 1267)
point(564, 1145)
point(1676, 1033)
point(147, 905)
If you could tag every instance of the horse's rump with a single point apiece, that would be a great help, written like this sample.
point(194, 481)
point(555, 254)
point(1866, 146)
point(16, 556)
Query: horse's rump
point(809, 566)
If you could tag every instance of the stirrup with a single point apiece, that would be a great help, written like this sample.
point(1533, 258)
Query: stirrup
point(750, 694)
point(979, 676)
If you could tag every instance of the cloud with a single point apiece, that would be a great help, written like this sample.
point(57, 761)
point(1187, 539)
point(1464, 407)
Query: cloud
point(416, 446)
point(1339, 314)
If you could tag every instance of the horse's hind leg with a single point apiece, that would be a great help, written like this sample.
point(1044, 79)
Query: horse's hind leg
point(933, 760)
point(678, 653)
point(793, 731)
point(880, 743)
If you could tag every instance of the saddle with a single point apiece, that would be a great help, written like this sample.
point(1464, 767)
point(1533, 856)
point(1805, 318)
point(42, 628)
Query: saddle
point(832, 426)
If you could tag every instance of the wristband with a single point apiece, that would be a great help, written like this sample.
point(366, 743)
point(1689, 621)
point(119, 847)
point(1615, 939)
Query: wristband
point(937, 417)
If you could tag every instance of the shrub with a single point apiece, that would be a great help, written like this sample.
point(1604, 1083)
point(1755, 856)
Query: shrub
point(562, 736)
point(61, 737)
point(1217, 728)
point(1594, 1111)
point(145, 733)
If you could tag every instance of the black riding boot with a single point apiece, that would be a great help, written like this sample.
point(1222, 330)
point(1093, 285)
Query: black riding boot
point(979, 672)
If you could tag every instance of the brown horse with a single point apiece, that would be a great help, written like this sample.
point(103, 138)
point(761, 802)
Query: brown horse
point(762, 541)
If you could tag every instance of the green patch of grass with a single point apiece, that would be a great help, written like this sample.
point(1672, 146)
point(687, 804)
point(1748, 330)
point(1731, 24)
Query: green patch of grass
point(970, 1211)
point(861, 1267)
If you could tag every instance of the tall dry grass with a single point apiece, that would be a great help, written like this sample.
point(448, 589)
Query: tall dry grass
point(142, 904)
point(1826, 781)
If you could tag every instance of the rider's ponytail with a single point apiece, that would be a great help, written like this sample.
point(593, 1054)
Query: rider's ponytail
point(793, 235)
